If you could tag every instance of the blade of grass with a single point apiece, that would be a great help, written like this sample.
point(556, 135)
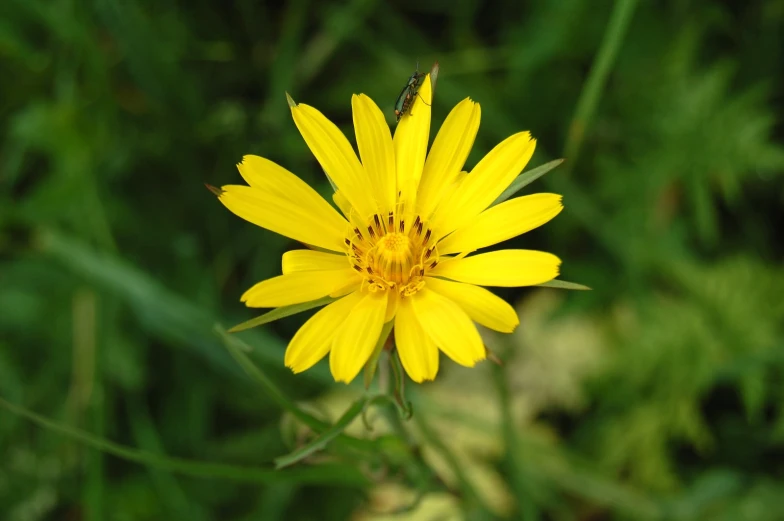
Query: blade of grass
point(597, 78)
point(235, 346)
point(525, 179)
point(325, 437)
point(338, 28)
point(323, 474)
point(563, 284)
point(279, 313)
point(289, 47)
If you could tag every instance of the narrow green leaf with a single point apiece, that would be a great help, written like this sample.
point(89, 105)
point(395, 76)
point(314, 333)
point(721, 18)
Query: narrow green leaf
point(593, 89)
point(526, 178)
point(237, 348)
point(372, 364)
point(562, 284)
point(325, 437)
point(322, 474)
point(281, 312)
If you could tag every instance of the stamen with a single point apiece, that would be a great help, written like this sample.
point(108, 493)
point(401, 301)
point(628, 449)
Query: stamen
point(393, 257)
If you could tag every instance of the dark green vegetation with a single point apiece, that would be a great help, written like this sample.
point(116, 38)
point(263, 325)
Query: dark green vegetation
point(656, 396)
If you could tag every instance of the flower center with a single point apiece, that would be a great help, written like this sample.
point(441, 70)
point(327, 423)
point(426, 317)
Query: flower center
point(392, 254)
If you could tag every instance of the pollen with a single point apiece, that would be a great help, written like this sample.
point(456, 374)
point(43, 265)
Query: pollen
point(393, 255)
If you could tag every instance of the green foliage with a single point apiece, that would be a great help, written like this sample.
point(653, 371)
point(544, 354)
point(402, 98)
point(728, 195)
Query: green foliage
point(657, 395)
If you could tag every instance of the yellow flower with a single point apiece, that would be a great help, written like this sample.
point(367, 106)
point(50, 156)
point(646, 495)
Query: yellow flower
point(398, 251)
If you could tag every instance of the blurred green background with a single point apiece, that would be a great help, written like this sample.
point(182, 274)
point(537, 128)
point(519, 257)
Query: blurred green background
point(658, 395)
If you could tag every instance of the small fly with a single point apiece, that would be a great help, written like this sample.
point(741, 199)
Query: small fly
point(406, 97)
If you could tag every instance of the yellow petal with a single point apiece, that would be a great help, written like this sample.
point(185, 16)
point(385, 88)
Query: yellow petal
point(481, 305)
point(449, 327)
point(448, 154)
point(501, 268)
point(416, 349)
point(313, 340)
point(393, 300)
point(337, 158)
point(454, 186)
point(305, 223)
point(309, 260)
point(294, 288)
point(411, 138)
point(358, 334)
point(261, 173)
point(504, 221)
point(491, 176)
point(342, 203)
point(375, 149)
point(351, 285)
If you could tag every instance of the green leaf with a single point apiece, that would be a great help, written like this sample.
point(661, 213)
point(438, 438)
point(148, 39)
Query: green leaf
point(281, 312)
point(372, 364)
point(237, 348)
point(322, 474)
point(325, 437)
point(562, 284)
point(525, 179)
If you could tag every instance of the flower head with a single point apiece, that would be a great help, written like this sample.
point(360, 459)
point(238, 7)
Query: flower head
point(399, 247)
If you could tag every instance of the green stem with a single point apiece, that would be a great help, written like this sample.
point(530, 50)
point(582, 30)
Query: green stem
point(323, 474)
point(325, 437)
point(399, 386)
